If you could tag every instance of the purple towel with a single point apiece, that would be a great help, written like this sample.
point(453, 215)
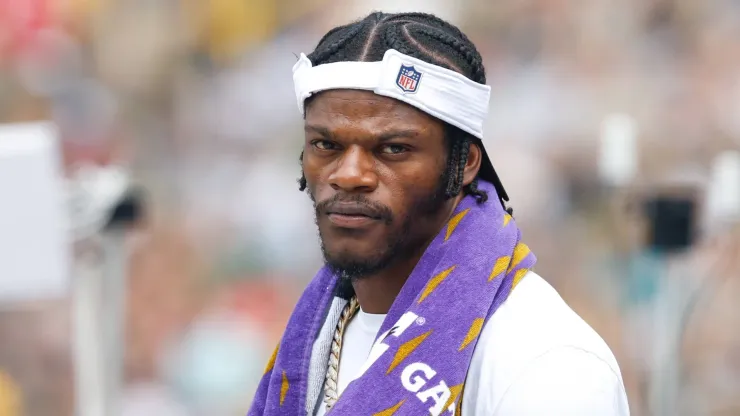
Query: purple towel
point(421, 356)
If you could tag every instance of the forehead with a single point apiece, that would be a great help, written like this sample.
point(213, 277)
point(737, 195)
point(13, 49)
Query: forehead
point(366, 109)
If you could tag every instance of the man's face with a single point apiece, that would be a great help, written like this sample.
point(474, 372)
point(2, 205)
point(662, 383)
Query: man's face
point(375, 169)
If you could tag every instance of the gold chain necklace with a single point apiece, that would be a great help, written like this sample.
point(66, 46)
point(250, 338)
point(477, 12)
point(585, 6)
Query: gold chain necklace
point(331, 394)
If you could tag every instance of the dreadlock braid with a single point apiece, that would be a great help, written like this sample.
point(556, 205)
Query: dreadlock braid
point(423, 36)
point(302, 181)
point(428, 19)
point(349, 33)
point(453, 185)
point(462, 159)
point(459, 143)
point(471, 56)
point(395, 39)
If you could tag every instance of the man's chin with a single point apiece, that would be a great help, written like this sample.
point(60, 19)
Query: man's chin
point(352, 266)
point(349, 249)
point(359, 257)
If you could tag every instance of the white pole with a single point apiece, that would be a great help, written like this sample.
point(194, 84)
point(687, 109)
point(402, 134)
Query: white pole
point(100, 293)
point(88, 350)
point(113, 313)
point(668, 310)
point(99, 317)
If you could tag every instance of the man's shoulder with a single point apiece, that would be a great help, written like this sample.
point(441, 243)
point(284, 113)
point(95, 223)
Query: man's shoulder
point(535, 319)
point(532, 333)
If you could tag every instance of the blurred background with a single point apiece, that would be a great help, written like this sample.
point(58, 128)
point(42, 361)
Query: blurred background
point(615, 126)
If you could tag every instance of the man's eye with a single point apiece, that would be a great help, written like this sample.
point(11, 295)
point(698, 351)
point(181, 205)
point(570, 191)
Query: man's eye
point(323, 145)
point(393, 149)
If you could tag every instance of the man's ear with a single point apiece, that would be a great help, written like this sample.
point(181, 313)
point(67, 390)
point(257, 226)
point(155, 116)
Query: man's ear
point(472, 166)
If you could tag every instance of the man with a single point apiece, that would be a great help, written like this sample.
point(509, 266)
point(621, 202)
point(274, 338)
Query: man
point(427, 303)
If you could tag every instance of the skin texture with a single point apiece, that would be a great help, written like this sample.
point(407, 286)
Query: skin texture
point(375, 167)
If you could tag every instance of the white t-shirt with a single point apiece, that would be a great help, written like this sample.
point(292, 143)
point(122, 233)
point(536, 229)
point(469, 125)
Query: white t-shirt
point(535, 356)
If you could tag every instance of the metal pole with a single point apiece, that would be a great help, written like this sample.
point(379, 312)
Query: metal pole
point(88, 351)
point(682, 286)
point(665, 367)
point(113, 314)
point(99, 312)
point(99, 316)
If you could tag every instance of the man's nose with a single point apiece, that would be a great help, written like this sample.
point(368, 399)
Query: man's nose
point(355, 171)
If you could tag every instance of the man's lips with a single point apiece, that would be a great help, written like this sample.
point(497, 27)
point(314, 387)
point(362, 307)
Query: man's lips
point(353, 210)
point(352, 215)
point(351, 221)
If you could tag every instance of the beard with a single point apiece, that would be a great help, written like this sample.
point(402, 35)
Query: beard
point(401, 242)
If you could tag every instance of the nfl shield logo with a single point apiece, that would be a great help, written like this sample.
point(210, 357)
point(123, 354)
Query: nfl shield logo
point(408, 78)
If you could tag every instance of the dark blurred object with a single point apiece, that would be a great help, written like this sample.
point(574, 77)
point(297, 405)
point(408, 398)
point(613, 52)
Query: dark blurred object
point(128, 211)
point(671, 222)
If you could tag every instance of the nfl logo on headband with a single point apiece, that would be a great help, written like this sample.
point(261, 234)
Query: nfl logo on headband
point(408, 78)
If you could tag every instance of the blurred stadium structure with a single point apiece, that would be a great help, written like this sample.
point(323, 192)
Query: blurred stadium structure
point(626, 115)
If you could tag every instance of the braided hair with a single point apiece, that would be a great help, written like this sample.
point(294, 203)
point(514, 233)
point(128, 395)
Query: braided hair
point(423, 36)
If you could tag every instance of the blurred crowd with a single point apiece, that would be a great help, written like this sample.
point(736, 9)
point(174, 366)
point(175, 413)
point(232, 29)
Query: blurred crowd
point(196, 97)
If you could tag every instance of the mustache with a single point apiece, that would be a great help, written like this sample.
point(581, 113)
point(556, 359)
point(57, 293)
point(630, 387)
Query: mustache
point(354, 203)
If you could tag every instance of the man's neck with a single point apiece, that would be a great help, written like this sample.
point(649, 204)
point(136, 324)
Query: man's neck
point(377, 293)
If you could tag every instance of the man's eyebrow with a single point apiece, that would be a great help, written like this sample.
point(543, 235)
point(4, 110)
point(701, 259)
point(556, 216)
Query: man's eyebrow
point(320, 130)
point(390, 135)
point(408, 133)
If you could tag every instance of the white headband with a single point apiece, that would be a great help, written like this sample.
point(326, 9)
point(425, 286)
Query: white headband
point(440, 92)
